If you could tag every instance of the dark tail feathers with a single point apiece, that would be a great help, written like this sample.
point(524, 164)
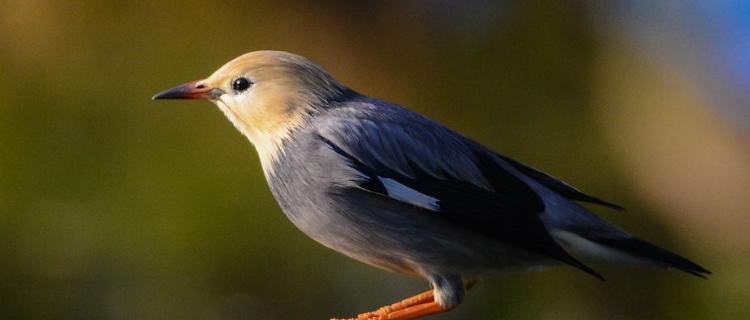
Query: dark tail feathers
point(643, 249)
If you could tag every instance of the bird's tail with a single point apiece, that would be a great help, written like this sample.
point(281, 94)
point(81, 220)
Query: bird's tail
point(625, 249)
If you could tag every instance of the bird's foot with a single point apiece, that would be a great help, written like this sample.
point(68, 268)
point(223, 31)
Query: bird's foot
point(379, 314)
point(408, 313)
point(411, 308)
point(366, 316)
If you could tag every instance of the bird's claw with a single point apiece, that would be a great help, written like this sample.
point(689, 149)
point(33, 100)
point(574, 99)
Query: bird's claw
point(380, 314)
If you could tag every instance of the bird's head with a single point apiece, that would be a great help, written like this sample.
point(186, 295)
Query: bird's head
point(265, 94)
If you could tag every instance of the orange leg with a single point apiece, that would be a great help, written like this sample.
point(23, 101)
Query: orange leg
point(403, 304)
point(414, 312)
point(414, 307)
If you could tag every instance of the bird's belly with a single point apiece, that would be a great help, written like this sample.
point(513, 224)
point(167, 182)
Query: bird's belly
point(356, 239)
point(400, 238)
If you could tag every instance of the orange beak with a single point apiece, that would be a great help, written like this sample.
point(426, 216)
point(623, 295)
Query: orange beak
point(191, 90)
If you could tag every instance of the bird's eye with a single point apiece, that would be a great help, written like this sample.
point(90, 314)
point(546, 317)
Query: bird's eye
point(241, 84)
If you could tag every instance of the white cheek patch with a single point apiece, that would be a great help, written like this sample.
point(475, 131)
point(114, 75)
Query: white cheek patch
point(400, 192)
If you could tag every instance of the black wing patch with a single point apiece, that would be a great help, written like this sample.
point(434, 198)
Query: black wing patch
point(558, 186)
point(509, 213)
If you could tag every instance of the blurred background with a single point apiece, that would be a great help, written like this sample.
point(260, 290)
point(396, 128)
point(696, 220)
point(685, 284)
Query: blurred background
point(116, 207)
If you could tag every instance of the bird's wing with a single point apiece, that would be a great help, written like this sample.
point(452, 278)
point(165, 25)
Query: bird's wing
point(419, 162)
point(558, 185)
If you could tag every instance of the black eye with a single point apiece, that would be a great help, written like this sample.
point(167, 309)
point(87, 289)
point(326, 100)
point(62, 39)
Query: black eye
point(241, 84)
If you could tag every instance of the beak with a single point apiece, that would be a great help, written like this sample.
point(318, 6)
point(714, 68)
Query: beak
point(191, 90)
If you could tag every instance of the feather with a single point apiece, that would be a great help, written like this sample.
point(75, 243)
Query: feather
point(400, 192)
point(644, 250)
point(474, 189)
point(558, 185)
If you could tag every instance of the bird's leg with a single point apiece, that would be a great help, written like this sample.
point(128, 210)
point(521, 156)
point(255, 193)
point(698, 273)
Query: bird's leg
point(421, 298)
point(417, 306)
point(414, 312)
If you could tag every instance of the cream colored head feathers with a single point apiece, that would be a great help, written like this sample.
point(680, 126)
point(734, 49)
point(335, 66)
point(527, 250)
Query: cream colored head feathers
point(282, 88)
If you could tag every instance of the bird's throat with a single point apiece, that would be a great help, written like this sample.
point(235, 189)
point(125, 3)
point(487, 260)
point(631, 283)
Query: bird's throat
point(267, 132)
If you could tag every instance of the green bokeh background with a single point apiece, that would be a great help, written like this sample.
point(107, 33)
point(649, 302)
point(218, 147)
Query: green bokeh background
point(113, 206)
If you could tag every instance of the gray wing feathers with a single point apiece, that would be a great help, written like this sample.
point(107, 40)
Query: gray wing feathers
point(558, 185)
point(474, 187)
point(439, 153)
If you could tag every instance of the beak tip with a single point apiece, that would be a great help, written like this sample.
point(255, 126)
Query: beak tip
point(160, 96)
point(185, 91)
point(167, 94)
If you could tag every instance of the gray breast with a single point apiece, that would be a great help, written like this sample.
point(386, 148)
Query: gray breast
point(310, 182)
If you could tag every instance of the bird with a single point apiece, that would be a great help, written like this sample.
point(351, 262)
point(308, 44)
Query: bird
point(396, 190)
